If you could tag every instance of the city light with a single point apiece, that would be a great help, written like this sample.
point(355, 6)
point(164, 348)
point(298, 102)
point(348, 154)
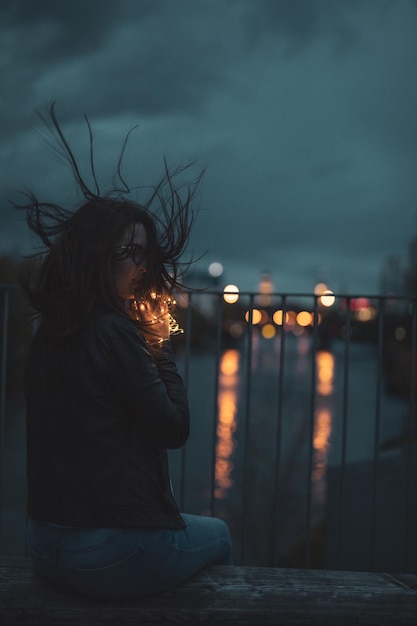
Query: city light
point(215, 269)
point(304, 318)
point(278, 316)
point(256, 316)
point(268, 331)
point(231, 294)
point(319, 289)
point(362, 309)
point(327, 299)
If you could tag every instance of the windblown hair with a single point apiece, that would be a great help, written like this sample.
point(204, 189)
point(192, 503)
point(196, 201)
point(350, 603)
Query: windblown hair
point(77, 259)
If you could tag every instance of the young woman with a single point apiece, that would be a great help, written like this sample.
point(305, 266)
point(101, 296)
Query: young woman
point(104, 398)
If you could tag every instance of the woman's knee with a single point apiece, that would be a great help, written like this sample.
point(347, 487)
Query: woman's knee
point(211, 535)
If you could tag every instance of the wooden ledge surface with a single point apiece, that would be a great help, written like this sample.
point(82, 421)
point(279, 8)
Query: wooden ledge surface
point(221, 595)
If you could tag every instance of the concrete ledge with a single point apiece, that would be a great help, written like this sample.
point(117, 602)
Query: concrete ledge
point(221, 596)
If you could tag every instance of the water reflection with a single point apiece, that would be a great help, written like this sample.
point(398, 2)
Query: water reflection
point(323, 419)
point(265, 363)
point(325, 373)
point(227, 400)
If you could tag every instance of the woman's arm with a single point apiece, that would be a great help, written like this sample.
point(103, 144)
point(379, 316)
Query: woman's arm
point(148, 383)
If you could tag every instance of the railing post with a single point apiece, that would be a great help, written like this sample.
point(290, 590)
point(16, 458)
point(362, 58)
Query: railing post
point(216, 396)
point(411, 432)
point(3, 381)
point(381, 316)
point(188, 327)
point(277, 465)
point(247, 426)
point(345, 405)
point(311, 434)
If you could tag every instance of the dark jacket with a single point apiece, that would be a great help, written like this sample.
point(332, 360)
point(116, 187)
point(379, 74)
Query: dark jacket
point(101, 412)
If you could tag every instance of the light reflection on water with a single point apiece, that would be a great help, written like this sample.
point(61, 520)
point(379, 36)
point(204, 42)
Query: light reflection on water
point(262, 451)
point(323, 422)
point(227, 400)
point(325, 373)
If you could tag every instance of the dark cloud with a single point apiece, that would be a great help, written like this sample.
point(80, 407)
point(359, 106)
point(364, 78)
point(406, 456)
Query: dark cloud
point(149, 57)
point(297, 24)
point(152, 57)
point(60, 28)
point(302, 111)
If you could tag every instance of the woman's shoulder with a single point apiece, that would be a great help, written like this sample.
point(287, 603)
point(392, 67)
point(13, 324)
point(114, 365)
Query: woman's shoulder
point(107, 324)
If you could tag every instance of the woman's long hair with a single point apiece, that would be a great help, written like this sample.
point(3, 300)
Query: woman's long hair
point(78, 247)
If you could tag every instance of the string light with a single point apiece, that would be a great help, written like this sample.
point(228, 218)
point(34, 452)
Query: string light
point(166, 304)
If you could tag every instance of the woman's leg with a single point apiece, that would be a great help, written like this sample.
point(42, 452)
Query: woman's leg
point(127, 562)
point(204, 541)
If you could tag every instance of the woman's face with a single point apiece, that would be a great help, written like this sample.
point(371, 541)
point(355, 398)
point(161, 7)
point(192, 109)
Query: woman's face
point(128, 272)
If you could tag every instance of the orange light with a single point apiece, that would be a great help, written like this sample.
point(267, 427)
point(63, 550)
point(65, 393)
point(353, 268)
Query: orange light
point(319, 289)
point(277, 317)
point(227, 400)
point(268, 331)
point(256, 316)
point(322, 429)
point(304, 318)
point(325, 372)
point(229, 364)
point(365, 315)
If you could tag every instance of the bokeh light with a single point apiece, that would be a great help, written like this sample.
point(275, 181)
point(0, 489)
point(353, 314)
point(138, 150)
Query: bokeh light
point(327, 299)
point(268, 331)
point(256, 316)
point(304, 318)
point(215, 269)
point(233, 295)
point(320, 288)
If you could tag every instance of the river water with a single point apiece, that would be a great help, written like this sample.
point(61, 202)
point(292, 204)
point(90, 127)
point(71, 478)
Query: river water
point(278, 436)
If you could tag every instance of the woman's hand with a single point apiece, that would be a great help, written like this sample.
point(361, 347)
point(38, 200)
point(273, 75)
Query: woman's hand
point(156, 321)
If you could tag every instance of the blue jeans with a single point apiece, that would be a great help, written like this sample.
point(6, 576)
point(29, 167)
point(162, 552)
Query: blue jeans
point(118, 563)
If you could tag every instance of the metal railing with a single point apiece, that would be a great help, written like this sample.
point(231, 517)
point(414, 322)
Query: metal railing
point(303, 426)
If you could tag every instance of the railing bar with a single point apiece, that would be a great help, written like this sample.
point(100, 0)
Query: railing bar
point(247, 428)
point(307, 294)
point(344, 432)
point(188, 332)
point(381, 315)
point(412, 405)
point(3, 369)
point(311, 434)
point(3, 380)
point(274, 551)
point(379, 414)
point(216, 400)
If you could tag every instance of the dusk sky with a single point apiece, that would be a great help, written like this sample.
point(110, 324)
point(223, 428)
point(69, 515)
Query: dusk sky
point(302, 112)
